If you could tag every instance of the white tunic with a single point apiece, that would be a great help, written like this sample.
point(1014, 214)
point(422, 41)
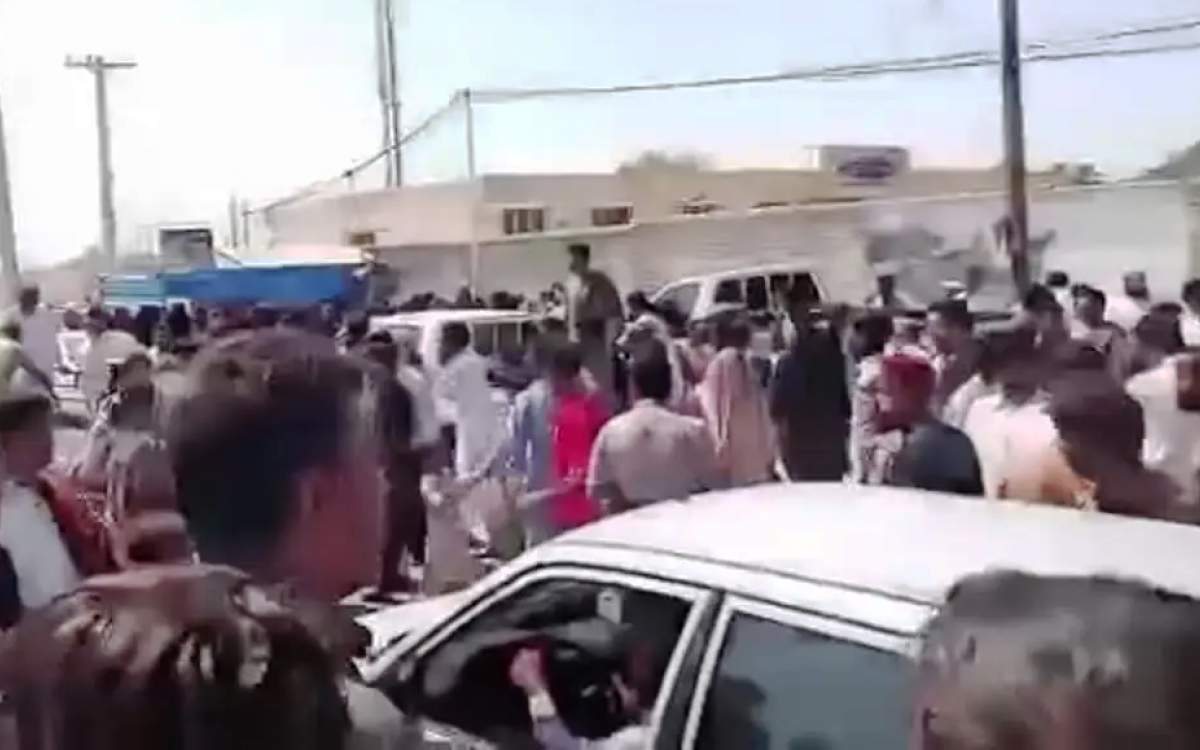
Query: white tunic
point(30, 535)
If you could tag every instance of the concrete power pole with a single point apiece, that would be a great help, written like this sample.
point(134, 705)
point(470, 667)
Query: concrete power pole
point(99, 67)
point(10, 272)
point(1017, 224)
point(389, 88)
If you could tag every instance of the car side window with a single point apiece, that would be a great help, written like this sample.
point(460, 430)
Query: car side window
point(778, 687)
point(804, 287)
point(588, 632)
point(682, 297)
point(756, 293)
point(729, 290)
point(483, 338)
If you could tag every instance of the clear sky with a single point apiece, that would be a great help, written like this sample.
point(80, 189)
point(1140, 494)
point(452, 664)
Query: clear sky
point(258, 97)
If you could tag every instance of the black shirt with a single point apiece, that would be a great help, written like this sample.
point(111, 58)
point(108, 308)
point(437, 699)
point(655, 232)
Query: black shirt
point(938, 457)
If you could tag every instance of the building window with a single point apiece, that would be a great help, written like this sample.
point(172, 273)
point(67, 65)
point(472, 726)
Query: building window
point(524, 220)
point(611, 216)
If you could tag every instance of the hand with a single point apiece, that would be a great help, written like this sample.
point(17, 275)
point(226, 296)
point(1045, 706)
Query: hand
point(526, 671)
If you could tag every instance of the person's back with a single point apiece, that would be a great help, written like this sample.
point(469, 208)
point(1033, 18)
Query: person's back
point(650, 453)
point(938, 457)
point(1172, 443)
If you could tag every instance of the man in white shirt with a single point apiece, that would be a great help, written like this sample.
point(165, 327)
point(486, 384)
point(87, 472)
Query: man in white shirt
point(39, 329)
point(1172, 443)
point(28, 531)
point(464, 401)
point(1190, 321)
point(1010, 429)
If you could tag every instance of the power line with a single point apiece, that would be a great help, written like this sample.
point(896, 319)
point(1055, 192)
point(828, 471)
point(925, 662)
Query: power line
point(1035, 52)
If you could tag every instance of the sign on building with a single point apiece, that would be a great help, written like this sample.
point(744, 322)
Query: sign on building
point(862, 164)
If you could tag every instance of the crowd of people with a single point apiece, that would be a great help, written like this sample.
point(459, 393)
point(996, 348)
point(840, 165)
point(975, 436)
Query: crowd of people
point(229, 491)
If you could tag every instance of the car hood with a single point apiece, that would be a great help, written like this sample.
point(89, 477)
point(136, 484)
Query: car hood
point(392, 627)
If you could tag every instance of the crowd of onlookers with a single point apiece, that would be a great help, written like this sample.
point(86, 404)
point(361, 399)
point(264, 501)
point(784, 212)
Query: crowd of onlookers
point(247, 449)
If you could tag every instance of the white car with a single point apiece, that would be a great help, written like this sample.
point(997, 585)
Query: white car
point(492, 331)
point(776, 616)
point(760, 289)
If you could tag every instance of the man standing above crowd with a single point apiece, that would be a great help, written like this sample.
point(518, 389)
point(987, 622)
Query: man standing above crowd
point(594, 317)
point(650, 453)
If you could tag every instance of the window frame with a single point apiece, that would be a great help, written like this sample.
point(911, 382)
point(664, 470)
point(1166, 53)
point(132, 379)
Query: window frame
point(603, 211)
point(858, 634)
point(701, 600)
point(519, 212)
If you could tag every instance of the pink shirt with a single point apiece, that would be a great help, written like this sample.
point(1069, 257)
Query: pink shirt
point(578, 418)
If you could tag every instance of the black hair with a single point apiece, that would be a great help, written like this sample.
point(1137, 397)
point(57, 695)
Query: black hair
point(732, 330)
point(1092, 407)
point(954, 311)
point(1057, 279)
point(566, 360)
point(265, 407)
point(580, 250)
point(650, 370)
point(1092, 293)
point(876, 330)
point(1004, 347)
point(1191, 289)
point(1160, 332)
point(357, 327)
point(457, 334)
point(220, 664)
point(1118, 655)
point(20, 410)
point(1039, 299)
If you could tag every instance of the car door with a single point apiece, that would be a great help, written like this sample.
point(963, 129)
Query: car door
point(780, 678)
point(455, 683)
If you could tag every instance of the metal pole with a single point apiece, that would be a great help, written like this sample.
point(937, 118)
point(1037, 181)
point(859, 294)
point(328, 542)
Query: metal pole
point(99, 67)
point(393, 94)
point(10, 272)
point(1014, 146)
point(381, 84)
point(476, 192)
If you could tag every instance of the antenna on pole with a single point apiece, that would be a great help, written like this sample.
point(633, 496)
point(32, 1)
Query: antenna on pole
point(99, 67)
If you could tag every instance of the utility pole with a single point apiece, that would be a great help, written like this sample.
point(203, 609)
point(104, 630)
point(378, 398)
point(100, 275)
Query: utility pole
point(10, 272)
point(99, 67)
point(389, 88)
point(1017, 223)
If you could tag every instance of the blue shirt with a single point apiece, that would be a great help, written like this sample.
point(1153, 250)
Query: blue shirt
point(532, 449)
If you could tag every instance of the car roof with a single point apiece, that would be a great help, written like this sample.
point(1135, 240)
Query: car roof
point(737, 273)
point(426, 317)
point(899, 542)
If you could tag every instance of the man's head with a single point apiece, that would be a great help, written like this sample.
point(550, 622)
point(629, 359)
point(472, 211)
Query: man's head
point(1156, 337)
point(455, 338)
point(26, 435)
point(383, 350)
point(1058, 663)
point(870, 334)
point(1012, 360)
point(950, 325)
point(1044, 315)
point(1191, 295)
point(650, 370)
point(1089, 305)
point(1136, 286)
point(96, 321)
point(1097, 422)
point(29, 298)
point(907, 385)
point(10, 328)
point(580, 255)
point(566, 362)
point(277, 461)
point(1058, 280)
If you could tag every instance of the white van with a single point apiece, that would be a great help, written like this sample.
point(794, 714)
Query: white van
point(492, 331)
point(760, 289)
